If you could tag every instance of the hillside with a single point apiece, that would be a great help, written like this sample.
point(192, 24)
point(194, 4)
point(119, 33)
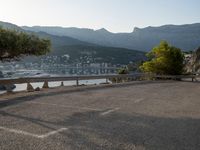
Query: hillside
point(56, 40)
point(186, 37)
point(61, 40)
point(78, 50)
point(7, 25)
point(99, 54)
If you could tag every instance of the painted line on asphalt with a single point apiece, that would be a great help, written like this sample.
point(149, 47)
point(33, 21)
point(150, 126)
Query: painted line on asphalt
point(32, 134)
point(65, 106)
point(109, 111)
point(52, 133)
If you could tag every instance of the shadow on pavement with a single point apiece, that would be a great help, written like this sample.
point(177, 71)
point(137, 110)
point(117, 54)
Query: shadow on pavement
point(18, 100)
point(120, 130)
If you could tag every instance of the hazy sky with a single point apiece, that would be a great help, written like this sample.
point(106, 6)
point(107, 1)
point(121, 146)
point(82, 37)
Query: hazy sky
point(114, 15)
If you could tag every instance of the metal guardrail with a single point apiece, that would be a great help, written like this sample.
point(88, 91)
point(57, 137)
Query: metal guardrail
point(62, 78)
point(28, 80)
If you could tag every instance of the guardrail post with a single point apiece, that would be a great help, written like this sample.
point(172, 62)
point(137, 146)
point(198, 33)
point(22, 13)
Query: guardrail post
point(8, 88)
point(110, 78)
point(77, 83)
point(30, 88)
point(62, 83)
point(45, 85)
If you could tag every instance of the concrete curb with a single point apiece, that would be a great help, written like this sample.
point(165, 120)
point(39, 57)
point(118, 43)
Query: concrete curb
point(70, 89)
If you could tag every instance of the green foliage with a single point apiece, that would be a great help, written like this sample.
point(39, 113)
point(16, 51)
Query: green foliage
point(123, 70)
point(127, 69)
point(15, 44)
point(164, 59)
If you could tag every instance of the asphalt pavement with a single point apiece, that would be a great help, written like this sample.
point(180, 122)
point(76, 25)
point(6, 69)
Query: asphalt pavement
point(147, 116)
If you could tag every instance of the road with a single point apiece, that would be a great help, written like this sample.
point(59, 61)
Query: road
point(142, 116)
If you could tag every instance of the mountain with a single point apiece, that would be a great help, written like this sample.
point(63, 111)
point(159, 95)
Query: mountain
point(99, 54)
point(78, 50)
point(186, 37)
point(56, 40)
point(60, 40)
point(100, 37)
point(7, 25)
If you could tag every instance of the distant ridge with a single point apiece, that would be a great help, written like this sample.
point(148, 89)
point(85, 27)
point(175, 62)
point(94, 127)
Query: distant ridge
point(186, 37)
point(78, 49)
point(7, 25)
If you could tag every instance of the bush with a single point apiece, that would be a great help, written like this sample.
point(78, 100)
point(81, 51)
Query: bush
point(123, 70)
point(164, 59)
point(15, 44)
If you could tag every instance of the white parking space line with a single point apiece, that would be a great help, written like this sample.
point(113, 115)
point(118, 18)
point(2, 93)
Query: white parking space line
point(109, 111)
point(31, 134)
point(67, 106)
point(52, 133)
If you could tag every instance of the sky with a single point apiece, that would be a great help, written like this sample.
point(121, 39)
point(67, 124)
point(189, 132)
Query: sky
point(114, 15)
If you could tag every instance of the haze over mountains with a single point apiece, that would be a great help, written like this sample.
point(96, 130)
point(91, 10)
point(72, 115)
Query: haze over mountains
point(81, 51)
point(118, 48)
point(186, 37)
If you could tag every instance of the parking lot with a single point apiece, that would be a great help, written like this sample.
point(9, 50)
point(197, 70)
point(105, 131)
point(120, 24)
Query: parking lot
point(147, 116)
